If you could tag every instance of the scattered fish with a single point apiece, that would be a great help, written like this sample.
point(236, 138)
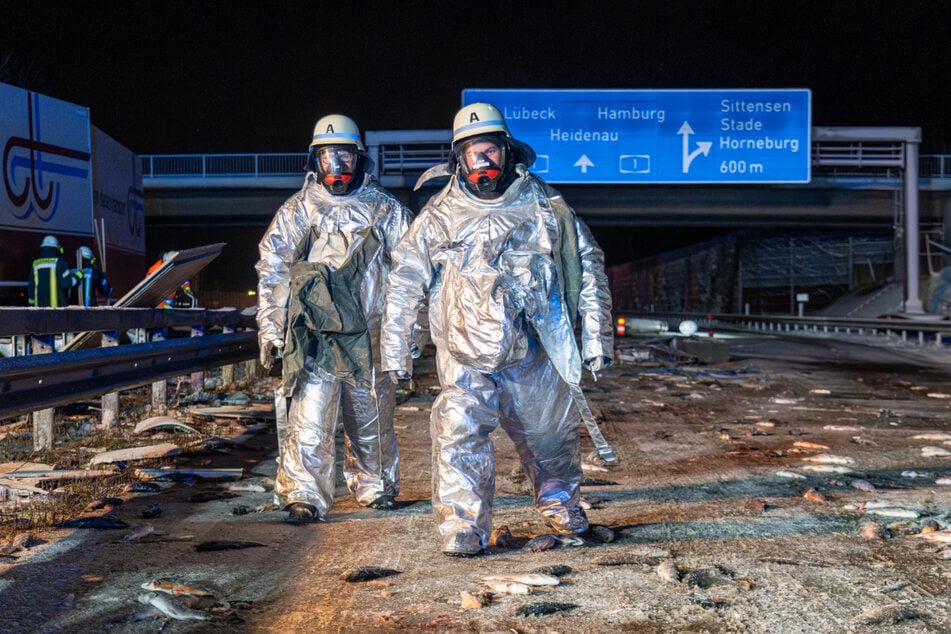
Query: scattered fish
point(913, 474)
point(863, 485)
point(893, 587)
point(783, 401)
point(790, 561)
point(99, 521)
point(102, 503)
point(170, 608)
point(894, 511)
point(502, 538)
point(790, 474)
point(544, 608)
point(243, 487)
point(705, 578)
point(935, 452)
point(943, 481)
point(814, 496)
point(528, 578)
point(820, 391)
point(469, 601)
point(556, 570)
point(872, 531)
point(600, 533)
point(805, 444)
point(668, 571)
point(137, 533)
point(547, 542)
point(932, 436)
point(142, 487)
point(211, 496)
point(507, 587)
point(936, 536)
point(844, 428)
point(169, 586)
point(225, 544)
point(888, 615)
point(825, 458)
point(827, 468)
point(151, 511)
point(938, 395)
point(368, 573)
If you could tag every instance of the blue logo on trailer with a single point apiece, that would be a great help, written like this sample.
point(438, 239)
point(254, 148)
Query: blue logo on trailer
point(660, 136)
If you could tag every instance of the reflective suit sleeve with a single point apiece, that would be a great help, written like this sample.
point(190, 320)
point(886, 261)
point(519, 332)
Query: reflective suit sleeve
point(406, 287)
point(277, 251)
point(597, 331)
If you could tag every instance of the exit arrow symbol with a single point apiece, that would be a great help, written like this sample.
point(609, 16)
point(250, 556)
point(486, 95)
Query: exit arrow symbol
point(703, 147)
point(584, 163)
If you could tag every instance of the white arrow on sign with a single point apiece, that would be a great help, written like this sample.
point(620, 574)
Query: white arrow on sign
point(703, 147)
point(584, 163)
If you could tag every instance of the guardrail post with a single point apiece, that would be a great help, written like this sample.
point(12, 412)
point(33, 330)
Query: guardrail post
point(198, 378)
point(159, 389)
point(110, 402)
point(43, 419)
point(227, 371)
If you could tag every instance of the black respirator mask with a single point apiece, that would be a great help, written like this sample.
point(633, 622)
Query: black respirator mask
point(337, 166)
point(485, 165)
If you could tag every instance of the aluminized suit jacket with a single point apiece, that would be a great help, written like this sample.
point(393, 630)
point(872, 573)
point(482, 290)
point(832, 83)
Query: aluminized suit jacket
point(495, 271)
point(307, 446)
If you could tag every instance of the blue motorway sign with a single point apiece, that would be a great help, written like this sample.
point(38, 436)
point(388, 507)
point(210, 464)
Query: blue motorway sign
point(660, 136)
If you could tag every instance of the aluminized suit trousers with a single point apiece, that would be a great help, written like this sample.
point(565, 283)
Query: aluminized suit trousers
point(532, 404)
point(371, 459)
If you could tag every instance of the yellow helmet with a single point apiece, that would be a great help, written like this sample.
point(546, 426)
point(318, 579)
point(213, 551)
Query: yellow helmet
point(336, 129)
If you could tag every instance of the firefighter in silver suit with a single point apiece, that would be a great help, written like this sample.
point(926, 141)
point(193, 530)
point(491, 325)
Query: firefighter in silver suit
point(321, 278)
point(507, 267)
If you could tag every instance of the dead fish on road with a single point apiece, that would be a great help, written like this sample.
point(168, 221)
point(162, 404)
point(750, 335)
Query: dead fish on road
point(243, 487)
point(528, 578)
point(844, 428)
point(668, 571)
point(790, 474)
point(99, 521)
point(170, 608)
point(935, 452)
point(225, 544)
point(545, 608)
point(169, 586)
point(507, 587)
point(211, 496)
point(805, 444)
point(863, 485)
point(102, 503)
point(142, 487)
point(547, 542)
point(825, 458)
point(936, 536)
point(597, 482)
point(151, 511)
point(502, 537)
point(556, 570)
point(827, 468)
point(600, 533)
point(368, 573)
point(932, 436)
point(138, 532)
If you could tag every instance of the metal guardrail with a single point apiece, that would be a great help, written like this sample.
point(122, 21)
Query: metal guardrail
point(34, 382)
point(925, 331)
point(40, 381)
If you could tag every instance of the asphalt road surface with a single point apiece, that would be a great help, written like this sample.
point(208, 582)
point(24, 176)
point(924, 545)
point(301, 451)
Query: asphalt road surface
point(718, 521)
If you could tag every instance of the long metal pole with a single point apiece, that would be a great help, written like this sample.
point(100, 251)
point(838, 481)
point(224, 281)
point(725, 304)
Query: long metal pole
point(912, 300)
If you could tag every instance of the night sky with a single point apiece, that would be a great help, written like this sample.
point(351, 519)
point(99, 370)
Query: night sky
point(197, 77)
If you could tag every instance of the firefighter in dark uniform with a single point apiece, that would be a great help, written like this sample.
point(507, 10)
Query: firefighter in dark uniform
point(92, 280)
point(51, 278)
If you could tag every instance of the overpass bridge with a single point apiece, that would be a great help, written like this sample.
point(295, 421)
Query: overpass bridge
point(858, 184)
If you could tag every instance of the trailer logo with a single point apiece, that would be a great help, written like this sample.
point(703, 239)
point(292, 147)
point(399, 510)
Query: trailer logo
point(27, 174)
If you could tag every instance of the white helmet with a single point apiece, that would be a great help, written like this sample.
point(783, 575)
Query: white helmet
point(50, 241)
point(85, 253)
point(336, 129)
point(483, 118)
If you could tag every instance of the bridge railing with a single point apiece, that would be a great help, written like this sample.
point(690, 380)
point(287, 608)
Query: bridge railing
point(402, 158)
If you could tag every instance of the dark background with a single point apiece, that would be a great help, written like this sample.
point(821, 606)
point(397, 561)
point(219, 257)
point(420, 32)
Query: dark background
point(196, 77)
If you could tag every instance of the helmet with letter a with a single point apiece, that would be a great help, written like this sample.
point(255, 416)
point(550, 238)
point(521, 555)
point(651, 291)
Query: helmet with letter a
point(337, 154)
point(484, 150)
point(50, 241)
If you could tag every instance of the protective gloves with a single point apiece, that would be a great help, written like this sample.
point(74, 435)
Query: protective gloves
point(596, 364)
point(271, 352)
point(398, 375)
